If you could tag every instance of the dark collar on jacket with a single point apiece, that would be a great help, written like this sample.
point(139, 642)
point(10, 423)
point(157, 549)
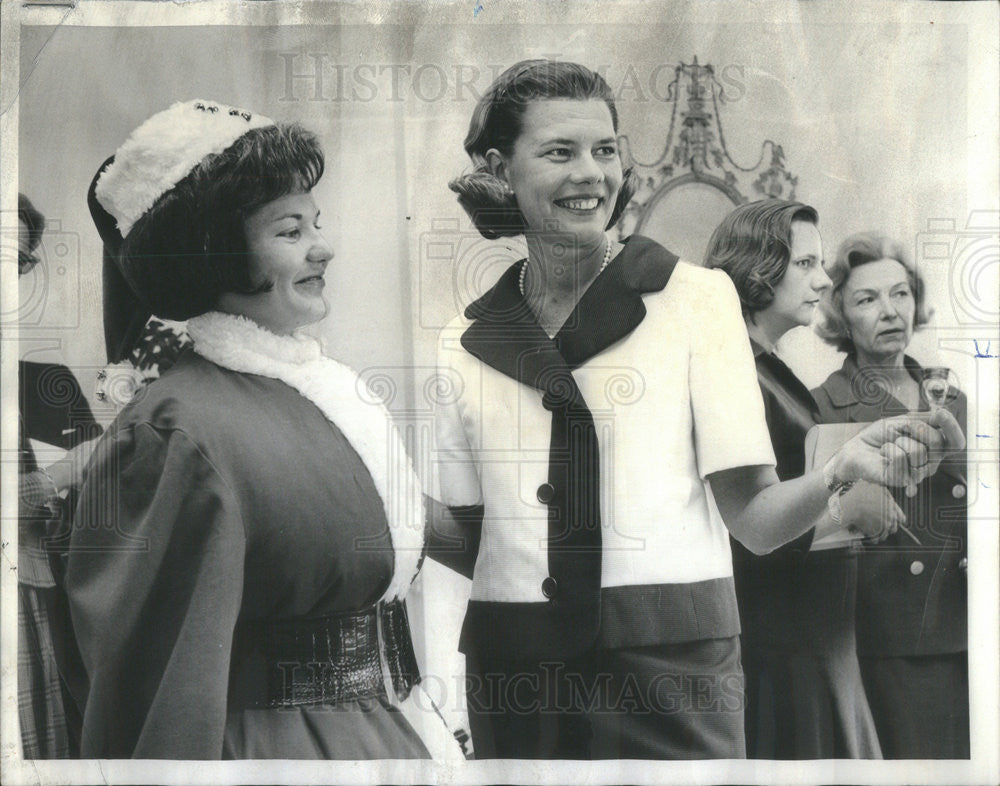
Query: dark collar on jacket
point(506, 335)
point(852, 386)
point(778, 380)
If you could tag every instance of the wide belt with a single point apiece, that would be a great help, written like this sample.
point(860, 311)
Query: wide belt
point(329, 660)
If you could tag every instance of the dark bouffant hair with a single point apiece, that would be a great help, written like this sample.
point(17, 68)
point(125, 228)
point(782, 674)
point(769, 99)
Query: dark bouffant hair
point(497, 122)
point(190, 247)
point(857, 250)
point(753, 245)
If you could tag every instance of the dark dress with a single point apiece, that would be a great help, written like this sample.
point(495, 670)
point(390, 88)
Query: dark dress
point(54, 411)
point(221, 503)
point(805, 699)
point(912, 612)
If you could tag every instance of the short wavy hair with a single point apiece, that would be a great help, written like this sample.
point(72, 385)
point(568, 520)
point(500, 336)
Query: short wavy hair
point(190, 247)
point(753, 245)
point(862, 249)
point(497, 122)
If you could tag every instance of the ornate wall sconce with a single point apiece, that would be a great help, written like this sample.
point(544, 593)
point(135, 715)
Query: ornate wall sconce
point(695, 181)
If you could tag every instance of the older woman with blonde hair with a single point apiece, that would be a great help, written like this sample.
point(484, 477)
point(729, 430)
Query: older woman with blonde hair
point(856, 250)
point(912, 596)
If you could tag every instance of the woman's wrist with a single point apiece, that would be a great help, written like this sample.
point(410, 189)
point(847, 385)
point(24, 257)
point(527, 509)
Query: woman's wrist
point(833, 504)
point(837, 476)
point(60, 473)
point(831, 479)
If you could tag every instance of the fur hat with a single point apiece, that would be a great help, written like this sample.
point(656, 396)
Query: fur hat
point(163, 151)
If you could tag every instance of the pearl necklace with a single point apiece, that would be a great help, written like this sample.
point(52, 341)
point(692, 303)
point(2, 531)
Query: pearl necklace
point(604, 264)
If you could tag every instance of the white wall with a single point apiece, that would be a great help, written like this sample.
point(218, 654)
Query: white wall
point(872, 116)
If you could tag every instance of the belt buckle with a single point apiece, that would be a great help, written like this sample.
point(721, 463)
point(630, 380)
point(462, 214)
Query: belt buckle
point(400, 671)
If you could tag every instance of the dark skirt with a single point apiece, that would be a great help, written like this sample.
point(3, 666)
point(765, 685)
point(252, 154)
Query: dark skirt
point(667, 701)
point(808, 707)
point(805, 695)
point(370, 729)
point(920, 705)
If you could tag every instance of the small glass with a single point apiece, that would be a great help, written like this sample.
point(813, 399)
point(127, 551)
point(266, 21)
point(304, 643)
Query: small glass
point(937, 386)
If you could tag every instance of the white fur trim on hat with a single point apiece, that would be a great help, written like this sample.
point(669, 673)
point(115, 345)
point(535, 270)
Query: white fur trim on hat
point(163, 151)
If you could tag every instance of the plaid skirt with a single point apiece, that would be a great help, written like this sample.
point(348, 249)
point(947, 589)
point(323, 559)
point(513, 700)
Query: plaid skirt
point(40, 707)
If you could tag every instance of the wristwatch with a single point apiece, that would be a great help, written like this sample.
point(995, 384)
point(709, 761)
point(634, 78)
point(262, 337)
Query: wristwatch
point(837, 489)
point(829, 478)
point(833, 503)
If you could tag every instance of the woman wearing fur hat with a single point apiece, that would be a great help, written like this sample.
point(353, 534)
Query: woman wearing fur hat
point(247, 530)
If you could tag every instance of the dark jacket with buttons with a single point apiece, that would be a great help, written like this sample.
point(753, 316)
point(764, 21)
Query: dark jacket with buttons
point(912, 600)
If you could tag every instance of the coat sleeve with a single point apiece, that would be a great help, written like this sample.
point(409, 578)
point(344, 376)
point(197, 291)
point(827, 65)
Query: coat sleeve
point(457, 482)
point(155, 583)
point(729, 426)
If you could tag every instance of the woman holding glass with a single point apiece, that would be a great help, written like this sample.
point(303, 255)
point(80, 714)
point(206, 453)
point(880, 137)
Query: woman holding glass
point(912, 623)
point(249, 525)
point(604, 436)
point(805, 698)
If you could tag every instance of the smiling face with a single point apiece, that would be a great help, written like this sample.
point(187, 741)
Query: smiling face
point(564, 169)
point(287, 250)
point(879, 309)
point(798, 292)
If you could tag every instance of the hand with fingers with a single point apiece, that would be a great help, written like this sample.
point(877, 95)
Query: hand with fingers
point(900, 451)
point(869, 508)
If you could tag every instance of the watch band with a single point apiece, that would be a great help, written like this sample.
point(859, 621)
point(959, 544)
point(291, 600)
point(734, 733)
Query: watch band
point(833, 503)
point(834, 507)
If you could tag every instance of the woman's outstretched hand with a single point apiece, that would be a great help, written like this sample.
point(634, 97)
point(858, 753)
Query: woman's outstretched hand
point(900, 451)
point(869, 508)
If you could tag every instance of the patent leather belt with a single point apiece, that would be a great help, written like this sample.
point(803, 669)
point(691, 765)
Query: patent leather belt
point(301, 661)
